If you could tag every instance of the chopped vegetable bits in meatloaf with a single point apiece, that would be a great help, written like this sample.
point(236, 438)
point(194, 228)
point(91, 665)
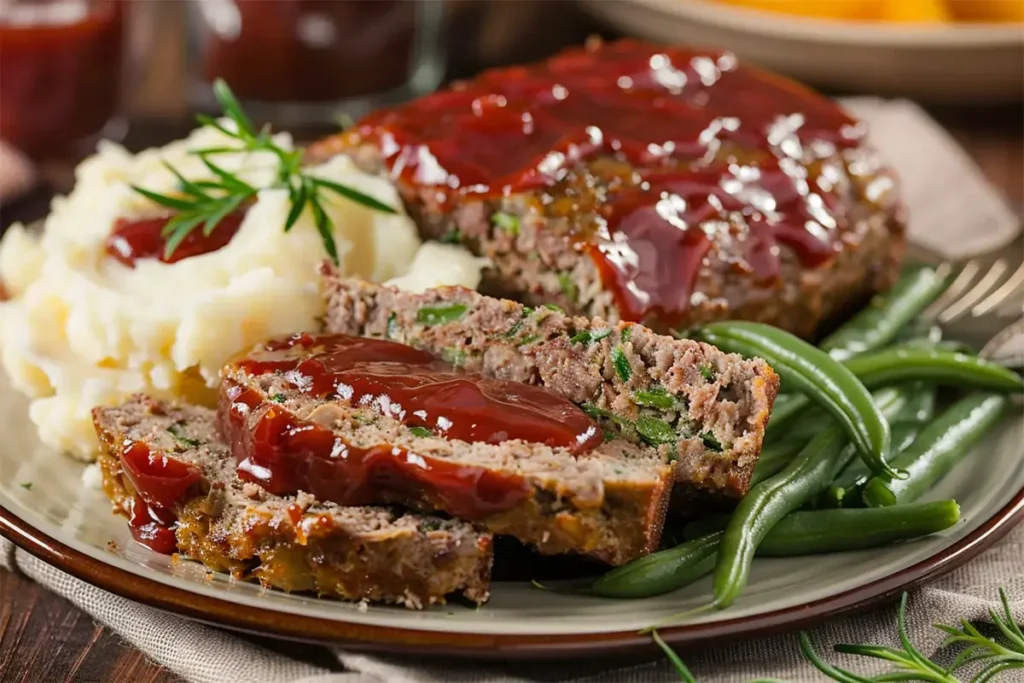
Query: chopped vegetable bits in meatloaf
point(167, 470)
point(629, 181)
point(696, 407)
point(357, 421)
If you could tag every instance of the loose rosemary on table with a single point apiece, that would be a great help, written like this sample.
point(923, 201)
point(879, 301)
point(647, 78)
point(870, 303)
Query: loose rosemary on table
point(990, 656)
point(208, 202)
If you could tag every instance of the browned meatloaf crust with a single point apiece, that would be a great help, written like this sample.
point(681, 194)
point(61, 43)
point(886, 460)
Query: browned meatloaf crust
point(294, 542)
point(713, 405)
point(609, 504)
point(541, 240)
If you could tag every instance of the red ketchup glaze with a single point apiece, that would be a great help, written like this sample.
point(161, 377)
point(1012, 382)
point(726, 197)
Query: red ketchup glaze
point(654, 269)
point(523, 128)
point(153, 527)
point(142, 239)
point(159, 481)
point(284, 454)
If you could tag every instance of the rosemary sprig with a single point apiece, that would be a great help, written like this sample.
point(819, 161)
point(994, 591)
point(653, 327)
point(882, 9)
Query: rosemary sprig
point(992, 656)
point(208, 202)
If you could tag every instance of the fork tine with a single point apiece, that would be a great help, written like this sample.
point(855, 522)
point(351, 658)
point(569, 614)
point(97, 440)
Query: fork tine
point(984, 285)
point(960, 283)
point(1004, 291)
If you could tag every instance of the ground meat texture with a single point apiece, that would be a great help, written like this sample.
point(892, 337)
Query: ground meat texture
point(294, 543)
point(701, 410)
point(609, 504)
point(565, 240)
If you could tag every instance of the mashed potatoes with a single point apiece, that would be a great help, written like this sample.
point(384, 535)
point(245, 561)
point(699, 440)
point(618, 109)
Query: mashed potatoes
point(83, 329)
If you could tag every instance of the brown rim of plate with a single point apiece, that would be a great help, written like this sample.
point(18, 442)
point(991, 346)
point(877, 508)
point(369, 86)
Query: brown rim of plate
point(263, 621)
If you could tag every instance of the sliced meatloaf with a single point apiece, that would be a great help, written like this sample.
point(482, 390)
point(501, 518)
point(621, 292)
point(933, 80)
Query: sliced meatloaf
point(290, 431)
point(703, 410)
point(664, 185)
point(166, 469)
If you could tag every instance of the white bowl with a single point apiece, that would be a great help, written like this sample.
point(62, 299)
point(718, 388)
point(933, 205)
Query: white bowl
point(976, 62)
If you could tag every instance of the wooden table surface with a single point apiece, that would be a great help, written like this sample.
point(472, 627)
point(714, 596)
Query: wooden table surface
point(43, 637)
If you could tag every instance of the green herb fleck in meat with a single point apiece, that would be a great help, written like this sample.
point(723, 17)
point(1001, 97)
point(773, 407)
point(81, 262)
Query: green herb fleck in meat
point(621, 364)
point(656, 397)
point(655, 431)
point(707, 372)
point(278, 398)
point(514, 330)
point(711, 442)
point(569, 287)
point(506, 222)
point(589, 336)
point(553, 307)
point(391, 331)
point(627, 332)
point(430, 525)
point(27, 485)
point(176, 432)
point(453, 236)
point(435, 315)
point(456, 357)
point(421, 432)
point(529, 339)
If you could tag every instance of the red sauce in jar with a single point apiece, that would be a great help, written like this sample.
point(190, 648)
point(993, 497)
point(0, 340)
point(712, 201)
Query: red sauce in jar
point(59, 79)
point(132, 240)
point(285, 454)
point(738, 145)
point(310, 50)
point(159, 481)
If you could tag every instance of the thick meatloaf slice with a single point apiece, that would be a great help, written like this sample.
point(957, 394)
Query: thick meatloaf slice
point(294, 543)
point(704, 410)
point(609, 503)
point(662, 185)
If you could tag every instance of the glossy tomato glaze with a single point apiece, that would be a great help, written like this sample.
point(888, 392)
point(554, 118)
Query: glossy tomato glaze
point(285, 454)
point(132, 240)
point(686, 148)
point(159, 481)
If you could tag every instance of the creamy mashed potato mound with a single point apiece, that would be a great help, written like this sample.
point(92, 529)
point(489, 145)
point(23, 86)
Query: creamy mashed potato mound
point(82, 329)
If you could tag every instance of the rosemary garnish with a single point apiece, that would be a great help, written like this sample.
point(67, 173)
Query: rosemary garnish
point(208, 202)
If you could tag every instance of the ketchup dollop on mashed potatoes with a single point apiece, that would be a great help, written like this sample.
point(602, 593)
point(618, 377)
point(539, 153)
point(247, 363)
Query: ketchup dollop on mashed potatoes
point(82, 329)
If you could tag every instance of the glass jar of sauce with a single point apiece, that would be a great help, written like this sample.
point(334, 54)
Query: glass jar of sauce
point(297, 62)
point(60, 72)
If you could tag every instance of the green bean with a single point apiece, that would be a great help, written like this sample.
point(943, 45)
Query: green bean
point(798, 533)
point(940, 366)
point(941, 445)
point(774, 457)
point(880, 322)
point(845, 490)
point(920, 405)
point(809, 473)
point(813, 372)
point(660, 572)
point(813, 532)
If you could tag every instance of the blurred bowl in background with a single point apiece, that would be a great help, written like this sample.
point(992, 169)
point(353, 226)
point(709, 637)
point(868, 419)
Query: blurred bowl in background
point(940, 62)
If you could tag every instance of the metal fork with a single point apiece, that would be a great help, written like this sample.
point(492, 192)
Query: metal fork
point(985, 294)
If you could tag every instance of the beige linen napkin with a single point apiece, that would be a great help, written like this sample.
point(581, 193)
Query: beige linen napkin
point(953, 213)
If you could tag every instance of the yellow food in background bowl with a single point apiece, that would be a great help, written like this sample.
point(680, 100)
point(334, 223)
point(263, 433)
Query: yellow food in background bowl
point(896, 11)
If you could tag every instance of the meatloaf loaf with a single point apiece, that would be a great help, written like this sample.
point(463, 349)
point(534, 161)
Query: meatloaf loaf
point(703, 410)
point(359, 421)
point(166, 469)
point(628, 181)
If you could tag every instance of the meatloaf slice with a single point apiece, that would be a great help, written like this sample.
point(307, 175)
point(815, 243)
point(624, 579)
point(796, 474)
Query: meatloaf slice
point(163, 462)
point(665, 185)
point(608, 503)
point(702, 409)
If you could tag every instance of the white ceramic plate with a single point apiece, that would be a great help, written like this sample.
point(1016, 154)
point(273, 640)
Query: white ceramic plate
point(946, 63)
point(71, 526)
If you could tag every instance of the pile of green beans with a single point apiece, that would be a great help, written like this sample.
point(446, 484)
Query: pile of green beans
point(799, 533)
point(809, 493)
